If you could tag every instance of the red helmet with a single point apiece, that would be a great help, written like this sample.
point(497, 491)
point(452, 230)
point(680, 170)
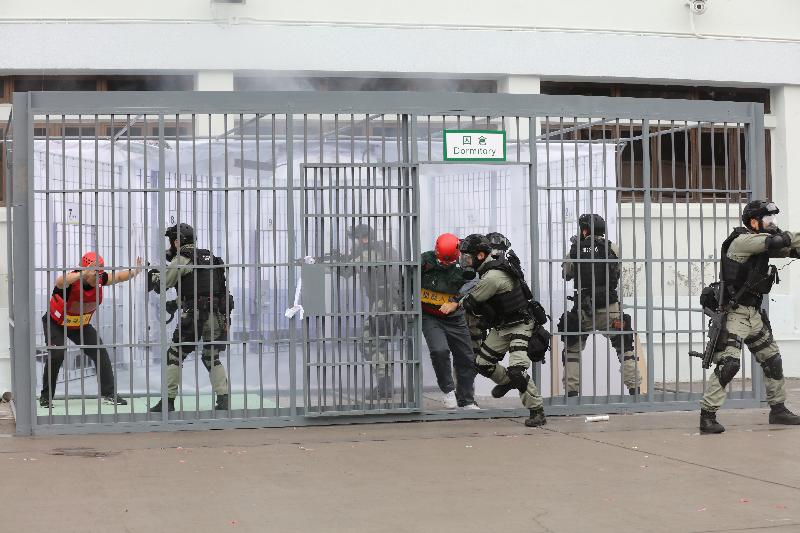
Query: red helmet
point(90, 258)
point(447, 248)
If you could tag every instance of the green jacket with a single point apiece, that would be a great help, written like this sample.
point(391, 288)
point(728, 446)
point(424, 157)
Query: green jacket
point(439, 283)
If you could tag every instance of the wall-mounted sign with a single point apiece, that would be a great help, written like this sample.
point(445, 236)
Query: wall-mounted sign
point(474, 145)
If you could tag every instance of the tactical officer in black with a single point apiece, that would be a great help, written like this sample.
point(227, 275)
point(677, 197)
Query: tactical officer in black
point(381, 287)
point(595, 275)
point(746, 277)
point(504, 301)
point(205, 303)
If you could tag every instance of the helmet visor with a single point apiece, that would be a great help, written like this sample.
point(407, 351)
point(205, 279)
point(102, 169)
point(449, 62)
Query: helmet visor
point(769, 222)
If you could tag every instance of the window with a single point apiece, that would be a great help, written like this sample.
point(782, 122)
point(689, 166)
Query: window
point(150, 83)
point(635, 90)
point(54, 83)
point(75, 131)
point(692, 161)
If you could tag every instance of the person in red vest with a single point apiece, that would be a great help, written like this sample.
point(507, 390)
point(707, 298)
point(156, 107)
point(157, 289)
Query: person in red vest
point(74, 300)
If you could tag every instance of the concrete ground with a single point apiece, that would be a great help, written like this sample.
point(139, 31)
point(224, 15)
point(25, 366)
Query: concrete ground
point(646, 472)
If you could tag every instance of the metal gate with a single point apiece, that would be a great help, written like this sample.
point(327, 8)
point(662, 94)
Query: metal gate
point(320, 205)
point(361, 316)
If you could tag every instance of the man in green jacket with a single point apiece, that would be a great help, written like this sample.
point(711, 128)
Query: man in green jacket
point(442, 280)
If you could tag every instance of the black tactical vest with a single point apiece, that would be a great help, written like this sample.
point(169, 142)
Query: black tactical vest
point(597, 279)
point(755, 274)
point(512, 305)
point(201, 278)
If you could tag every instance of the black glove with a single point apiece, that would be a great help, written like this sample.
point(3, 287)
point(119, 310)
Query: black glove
point(469, 274)
point(779, 240)
point(538, 312)
point(171, 307)
point(170, 254)
point(152, 281)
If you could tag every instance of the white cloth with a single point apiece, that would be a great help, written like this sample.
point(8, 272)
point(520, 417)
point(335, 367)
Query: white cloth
point(297, 309)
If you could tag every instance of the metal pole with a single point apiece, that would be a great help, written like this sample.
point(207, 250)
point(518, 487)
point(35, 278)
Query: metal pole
point(648, 253)
point(21, 206)
point(756, 182)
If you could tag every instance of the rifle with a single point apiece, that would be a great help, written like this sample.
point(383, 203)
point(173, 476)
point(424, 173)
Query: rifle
point(716, 324)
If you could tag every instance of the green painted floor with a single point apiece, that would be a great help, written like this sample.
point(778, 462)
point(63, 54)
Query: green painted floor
point(140, 405)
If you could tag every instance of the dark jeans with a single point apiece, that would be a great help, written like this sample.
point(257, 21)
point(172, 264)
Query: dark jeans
point(52, 365)
point(450, 334)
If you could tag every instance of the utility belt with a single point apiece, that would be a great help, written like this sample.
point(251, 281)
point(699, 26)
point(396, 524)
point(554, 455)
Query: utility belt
point(588, 301)
point(221, 304)
point(514, 318)
point(749, 299)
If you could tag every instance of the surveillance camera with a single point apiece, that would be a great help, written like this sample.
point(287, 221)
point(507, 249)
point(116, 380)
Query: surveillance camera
point(698, 7)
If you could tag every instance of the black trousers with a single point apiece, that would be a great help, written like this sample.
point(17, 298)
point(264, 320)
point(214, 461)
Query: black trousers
point(52, 365)
point(445, 334)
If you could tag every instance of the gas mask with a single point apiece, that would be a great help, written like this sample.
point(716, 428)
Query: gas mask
point(470, 264)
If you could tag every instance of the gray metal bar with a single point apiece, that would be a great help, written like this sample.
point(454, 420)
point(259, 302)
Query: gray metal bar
point(648, 254)
point(756, 181)
point(533, 216)
point(20, 203)
point(290, 255)
point(162, 296)
point(386, 102)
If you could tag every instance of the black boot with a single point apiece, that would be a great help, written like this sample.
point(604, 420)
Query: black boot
point(708, 422)
point(45, 401)
point(779, 414)
point(501, 390)
point(536, 419)
point(222, 402)
point(634, 392)
point(572, 394)
point(157, 408)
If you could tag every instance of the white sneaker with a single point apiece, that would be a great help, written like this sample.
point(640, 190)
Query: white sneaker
point(471, 407)
point(449, 400)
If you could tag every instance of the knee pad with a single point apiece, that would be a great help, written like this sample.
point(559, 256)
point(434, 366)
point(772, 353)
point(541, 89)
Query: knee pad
point(773, 367)
point(210, 361)
point(484, 366)
point(518, 378)
point(726, 370)
point(624, 341)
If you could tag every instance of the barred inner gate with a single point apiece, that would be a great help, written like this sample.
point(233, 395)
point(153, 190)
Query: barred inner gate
point(319, 206)
point(360, 332)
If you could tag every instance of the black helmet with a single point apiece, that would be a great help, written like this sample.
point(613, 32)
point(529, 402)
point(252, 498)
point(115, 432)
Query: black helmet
point(587, 221)
point(361, 231)
point(472, 244)
point(185, 231)
point(758, 209)
point(498, 241)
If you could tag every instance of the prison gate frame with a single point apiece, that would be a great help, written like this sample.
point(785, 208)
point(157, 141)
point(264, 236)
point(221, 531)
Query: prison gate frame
point(276, 182)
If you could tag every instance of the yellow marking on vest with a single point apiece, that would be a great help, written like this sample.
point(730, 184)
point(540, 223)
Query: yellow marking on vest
point(435, 298)
point(77, 320)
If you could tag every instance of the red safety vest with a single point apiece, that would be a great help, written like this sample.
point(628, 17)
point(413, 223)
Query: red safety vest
point(69, 312)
